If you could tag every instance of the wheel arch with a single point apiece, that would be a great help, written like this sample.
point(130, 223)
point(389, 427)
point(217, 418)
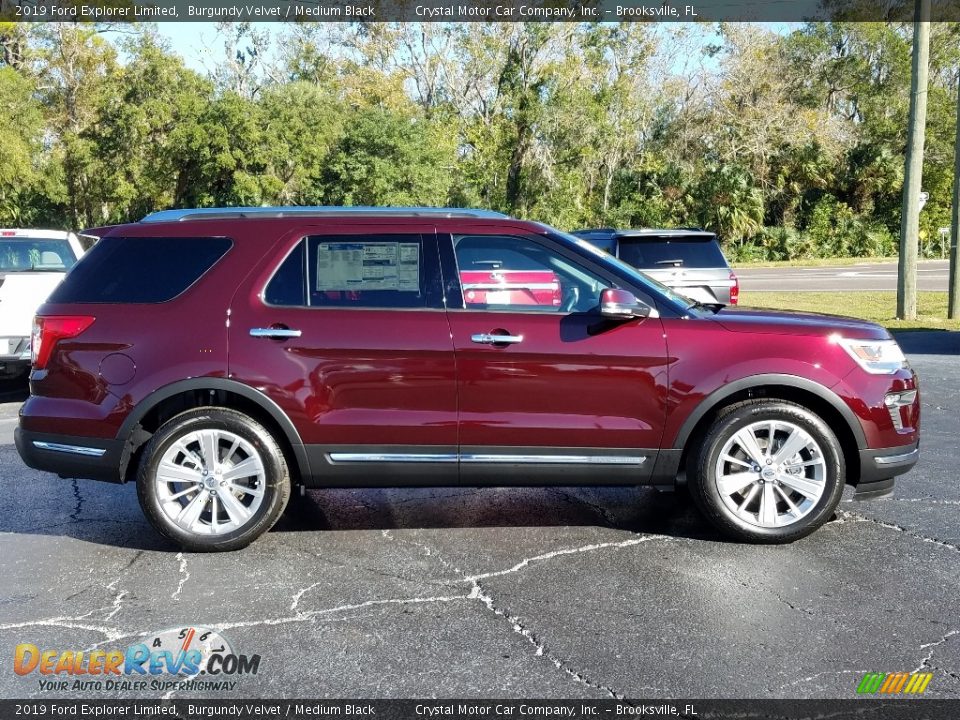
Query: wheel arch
point(183, 395)
point(815, 397)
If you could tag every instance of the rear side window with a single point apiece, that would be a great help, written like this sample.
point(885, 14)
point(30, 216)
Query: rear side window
point(358, 271)
point(652, 253)
point(140, 269)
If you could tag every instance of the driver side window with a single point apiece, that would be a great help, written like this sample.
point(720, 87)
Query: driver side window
point(503, 272)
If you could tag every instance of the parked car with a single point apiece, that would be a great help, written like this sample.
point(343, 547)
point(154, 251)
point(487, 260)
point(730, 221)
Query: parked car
point(222, 358)
point(689, 260)
point(32, 262)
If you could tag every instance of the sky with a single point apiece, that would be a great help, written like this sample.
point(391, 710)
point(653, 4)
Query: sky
point(201, 48)
point(197, 42)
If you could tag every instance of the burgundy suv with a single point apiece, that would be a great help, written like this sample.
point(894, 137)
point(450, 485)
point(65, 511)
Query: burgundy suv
point(221, 358)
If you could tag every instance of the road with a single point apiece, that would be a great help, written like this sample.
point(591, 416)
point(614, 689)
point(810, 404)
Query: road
point(931, 275)
point(465, 592)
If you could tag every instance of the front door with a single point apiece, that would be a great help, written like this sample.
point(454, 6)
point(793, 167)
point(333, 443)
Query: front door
point(549, 391)
point(345, 330)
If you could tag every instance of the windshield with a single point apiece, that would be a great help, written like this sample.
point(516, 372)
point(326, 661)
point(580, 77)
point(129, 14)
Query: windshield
point(26, 254)
point(622, 268)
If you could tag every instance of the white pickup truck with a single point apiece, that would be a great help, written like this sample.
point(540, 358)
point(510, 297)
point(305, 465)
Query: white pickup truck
point(32, 262)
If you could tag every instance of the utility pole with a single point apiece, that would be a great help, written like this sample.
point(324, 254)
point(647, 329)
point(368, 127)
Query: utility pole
point(913, 169)
point(953, 309)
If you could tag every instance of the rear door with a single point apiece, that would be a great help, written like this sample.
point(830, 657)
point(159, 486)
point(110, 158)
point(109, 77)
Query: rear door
point(549, 391)
point(345, 330)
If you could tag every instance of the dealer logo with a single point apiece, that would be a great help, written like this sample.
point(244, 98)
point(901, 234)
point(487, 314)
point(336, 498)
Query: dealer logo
point(181, 652)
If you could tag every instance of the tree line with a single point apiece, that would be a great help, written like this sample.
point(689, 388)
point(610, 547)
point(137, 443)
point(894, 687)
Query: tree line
point(789, 144)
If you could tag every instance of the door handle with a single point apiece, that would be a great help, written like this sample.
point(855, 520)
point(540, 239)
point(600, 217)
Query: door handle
point(490, 339)
point(274, 332)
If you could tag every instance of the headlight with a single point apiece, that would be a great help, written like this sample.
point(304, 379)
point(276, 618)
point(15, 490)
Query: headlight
point(877, 357)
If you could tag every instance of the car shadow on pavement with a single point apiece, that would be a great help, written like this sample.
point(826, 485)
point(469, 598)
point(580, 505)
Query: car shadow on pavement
point(929, 342)
point(631, 509)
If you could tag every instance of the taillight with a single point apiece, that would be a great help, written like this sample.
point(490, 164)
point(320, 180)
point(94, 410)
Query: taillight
point(47, 330)
point(734, 289)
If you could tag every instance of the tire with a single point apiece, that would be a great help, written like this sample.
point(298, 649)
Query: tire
point(785, 495)
point(186, 500)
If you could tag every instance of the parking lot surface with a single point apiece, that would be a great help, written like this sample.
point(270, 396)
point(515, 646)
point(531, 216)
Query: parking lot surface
point(465, 592)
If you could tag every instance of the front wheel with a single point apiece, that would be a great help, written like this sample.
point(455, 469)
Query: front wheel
point(212, 479)
point(767, 472)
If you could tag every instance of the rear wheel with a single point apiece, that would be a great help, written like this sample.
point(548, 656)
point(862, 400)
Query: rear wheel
point(212, 479)
point(768, 472)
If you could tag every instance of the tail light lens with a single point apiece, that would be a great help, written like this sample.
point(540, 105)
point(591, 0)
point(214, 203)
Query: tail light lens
point(734, 289)
point(47, 331)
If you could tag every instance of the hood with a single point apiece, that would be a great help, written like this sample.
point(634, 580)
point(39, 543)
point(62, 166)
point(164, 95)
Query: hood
point(21, 293)
point(759, 320)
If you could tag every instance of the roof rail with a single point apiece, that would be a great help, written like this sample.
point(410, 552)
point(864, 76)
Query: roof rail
point(313, 211)
point(627, 232)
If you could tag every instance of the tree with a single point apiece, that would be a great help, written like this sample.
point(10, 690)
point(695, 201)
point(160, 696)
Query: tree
point(155, 101)
point(21, 127)
point(74, 69)
point(389, 158)
point(302, 123)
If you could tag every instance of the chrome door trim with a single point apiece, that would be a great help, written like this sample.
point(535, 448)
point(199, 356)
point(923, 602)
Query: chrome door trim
point(351, 457)
point(359, 457)
point(555, 459)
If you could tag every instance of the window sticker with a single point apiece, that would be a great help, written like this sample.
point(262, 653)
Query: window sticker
point(368, 266)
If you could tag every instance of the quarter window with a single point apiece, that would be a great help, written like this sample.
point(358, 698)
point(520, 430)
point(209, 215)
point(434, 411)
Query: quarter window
point(139, 269)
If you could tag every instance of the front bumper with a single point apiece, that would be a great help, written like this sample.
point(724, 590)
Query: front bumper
point(878, 468)
point(70, 456)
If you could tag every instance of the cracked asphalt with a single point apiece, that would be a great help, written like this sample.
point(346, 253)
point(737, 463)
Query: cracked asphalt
point(549, 593)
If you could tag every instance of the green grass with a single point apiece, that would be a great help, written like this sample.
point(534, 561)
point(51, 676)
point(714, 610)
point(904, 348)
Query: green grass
point(878, 307)
point(814, 262)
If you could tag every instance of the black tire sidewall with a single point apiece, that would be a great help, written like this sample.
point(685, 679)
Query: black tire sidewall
point(707, 495)
point(276, 486)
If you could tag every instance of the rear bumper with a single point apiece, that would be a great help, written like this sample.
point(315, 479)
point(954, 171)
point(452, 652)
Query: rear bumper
point(70, 456)
point(878, 468)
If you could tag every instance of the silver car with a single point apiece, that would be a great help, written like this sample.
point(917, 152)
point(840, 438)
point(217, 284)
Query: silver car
point(687, 260)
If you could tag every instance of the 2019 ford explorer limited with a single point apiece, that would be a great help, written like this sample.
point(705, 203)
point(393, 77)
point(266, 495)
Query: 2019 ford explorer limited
point(222, 358)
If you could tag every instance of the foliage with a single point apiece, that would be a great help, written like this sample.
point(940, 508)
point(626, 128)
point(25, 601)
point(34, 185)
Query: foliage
point(789, 145)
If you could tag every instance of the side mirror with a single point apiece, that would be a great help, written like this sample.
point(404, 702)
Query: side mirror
point(624, 305)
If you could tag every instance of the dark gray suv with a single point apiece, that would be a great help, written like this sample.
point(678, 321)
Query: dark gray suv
point(688, 260)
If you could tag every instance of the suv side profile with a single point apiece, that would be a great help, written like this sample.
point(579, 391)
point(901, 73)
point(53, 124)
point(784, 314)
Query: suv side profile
point(689, 260)
point(221, 358)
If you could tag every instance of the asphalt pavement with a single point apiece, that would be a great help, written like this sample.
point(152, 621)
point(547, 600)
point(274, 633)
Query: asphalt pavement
point(931, 275)
point(466, 592)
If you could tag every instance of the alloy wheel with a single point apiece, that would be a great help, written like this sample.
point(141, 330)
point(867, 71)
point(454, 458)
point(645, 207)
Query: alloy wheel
point(771, 473)
point(210, 482)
